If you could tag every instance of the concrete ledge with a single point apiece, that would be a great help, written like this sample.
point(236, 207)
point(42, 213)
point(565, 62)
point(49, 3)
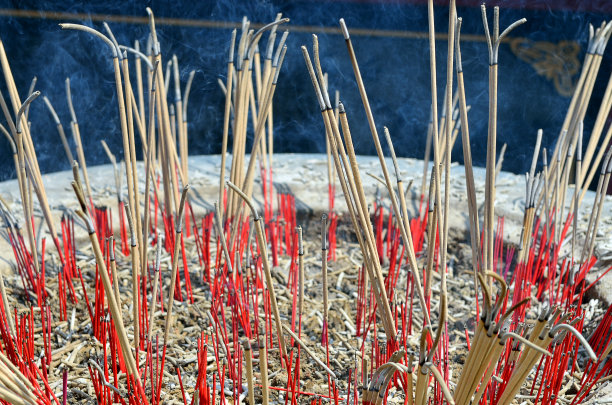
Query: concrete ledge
point(305, 175)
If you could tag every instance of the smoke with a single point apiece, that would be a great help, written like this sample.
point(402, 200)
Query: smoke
point(389, 43)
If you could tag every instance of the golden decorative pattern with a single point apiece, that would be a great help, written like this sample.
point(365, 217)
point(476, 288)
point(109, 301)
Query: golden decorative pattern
point(557, 62)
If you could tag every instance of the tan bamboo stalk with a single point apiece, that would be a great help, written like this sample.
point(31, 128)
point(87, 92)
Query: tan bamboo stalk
point(180, 129)
point(564, 183)
point(76, 135)
point(547, 199)
point(164, 116)
point(28, 148)
point(355, 186)
point(324, 271)
point(237, 128)
point(163, 161)
point(177, 251)
point(167, 75)
point(432, 225)
point(184, 121)
point(247, 183)
point(258, 87)
point(149, 157)
point(30, 91)
point(157, 269)
point(532, 356)
point(116, 55)
point(138, 116)
point(135, 259)
point(173, 124)
point(106, 283)
point(110, 243)
point(139, 84)
point(449, 108)
point(595, 163)
point(426, 158)
point(263, 369)
point(404, 221)
point(302, 276)
point(440, 380)
point(129, 112)
point(261, 240)
point(30, 179)
point(246, 344)
point(309, 352)
point(241, 110)
point(260, 128)
point(497, 351)
point(578, 90)
point(60, 130)
point(467, 159)
point(500, 161)
point(354, 191)
point(493, 45)
point(603, 113)
point(19, 159)
point(601, 38)
point(7, 307)
point(270, 115)
point(602, 194)
point(221, 236)
point(477, 341)
point(422, 382)
point(351, 204)
point(391, 328)
point(434, 113)
point(578, 175)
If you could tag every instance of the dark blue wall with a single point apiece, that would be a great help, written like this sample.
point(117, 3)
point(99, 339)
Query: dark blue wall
point(394, 61)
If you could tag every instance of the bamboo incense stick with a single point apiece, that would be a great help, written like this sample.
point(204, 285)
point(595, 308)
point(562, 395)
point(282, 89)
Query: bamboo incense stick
point(157, 268)
point(493, 45)
point(606, 180)
point(108, 289)
point(139, 84)
point(130, 107)
point(60, 130)
point(135, 259)
point(30, 91)
point(449, 108)
point(246, 344)
point(467, 159)
point(76, 134)
point(324, 276)
point(261, 239)
point(28, 148)
point(113, 266)
point(309, 352)
point(263, 368)
point(20, 167)
point(405, 228)
point(301, 275)
point(177, 251)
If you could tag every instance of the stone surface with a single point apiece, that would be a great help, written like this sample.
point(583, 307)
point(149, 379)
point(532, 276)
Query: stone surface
point(305, 175)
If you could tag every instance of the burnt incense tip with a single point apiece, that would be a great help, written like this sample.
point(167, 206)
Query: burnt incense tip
point(345, 32)
point(51, 110)
point(341, 107)
point(300, 240)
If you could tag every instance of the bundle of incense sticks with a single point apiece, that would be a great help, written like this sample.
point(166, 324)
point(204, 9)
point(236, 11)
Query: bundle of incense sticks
point(142, 323)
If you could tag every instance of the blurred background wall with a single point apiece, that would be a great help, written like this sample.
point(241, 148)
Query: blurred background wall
point(539, 65)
